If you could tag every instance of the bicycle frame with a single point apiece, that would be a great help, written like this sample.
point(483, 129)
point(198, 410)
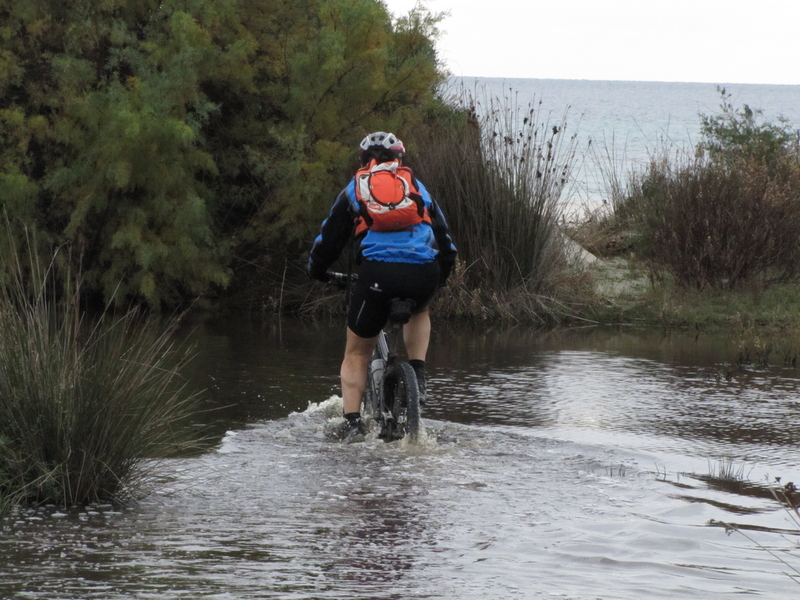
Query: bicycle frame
point(379, 366)
point(374, 400)
point(386, 376)
point(391, 396)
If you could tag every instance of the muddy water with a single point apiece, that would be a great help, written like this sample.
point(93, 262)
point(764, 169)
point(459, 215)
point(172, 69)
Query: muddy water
point(565, 465)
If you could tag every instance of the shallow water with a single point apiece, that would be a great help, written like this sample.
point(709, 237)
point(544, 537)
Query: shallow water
point(559, 465)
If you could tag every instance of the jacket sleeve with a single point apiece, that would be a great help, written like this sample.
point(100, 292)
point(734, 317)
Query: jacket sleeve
point(447, 250)
point(333, 237)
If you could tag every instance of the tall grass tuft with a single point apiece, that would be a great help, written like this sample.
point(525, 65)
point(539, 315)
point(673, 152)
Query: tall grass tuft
point(499, 170)
point(86, 404)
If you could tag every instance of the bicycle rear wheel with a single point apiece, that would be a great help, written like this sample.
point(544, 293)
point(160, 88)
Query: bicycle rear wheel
point(402, 399)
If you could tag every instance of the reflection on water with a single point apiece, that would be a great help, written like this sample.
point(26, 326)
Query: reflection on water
point(563, 464)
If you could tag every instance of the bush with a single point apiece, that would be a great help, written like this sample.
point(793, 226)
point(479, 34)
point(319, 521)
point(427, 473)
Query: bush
point(717, 224)
point(732, 135)
point(85, 404)
point(725, 216)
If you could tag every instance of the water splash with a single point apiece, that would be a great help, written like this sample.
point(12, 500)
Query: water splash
point(330, 408)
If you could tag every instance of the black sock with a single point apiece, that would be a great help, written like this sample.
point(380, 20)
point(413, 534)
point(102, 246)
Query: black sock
point(353, 417)
point(419, 371)
point(419, 367)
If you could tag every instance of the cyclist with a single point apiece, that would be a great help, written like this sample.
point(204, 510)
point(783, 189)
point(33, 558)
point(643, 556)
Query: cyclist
point(410, 263)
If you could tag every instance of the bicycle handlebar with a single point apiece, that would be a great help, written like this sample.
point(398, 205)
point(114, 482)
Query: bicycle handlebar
point(341, 280)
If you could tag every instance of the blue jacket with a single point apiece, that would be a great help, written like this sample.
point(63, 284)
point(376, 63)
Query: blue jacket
point(419, 244)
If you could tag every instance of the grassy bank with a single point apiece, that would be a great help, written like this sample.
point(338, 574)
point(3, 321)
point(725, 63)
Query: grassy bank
point(630, 291)
point(776, 308)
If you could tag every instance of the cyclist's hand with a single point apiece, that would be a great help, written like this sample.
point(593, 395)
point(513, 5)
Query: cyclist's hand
point(317, 274)
point(340, 280)
point(444, 273)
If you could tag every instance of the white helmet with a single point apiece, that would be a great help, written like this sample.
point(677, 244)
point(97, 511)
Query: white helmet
point(386, 140)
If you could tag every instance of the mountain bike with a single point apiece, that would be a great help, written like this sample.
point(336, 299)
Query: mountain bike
point(391, 397)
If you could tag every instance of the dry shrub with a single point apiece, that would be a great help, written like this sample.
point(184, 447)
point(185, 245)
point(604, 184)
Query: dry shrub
point(571, 294)
point(718, 224)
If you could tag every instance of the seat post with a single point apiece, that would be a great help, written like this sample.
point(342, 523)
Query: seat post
point(400, 310)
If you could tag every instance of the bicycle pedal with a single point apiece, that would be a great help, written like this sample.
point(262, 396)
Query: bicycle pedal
point(388, 429)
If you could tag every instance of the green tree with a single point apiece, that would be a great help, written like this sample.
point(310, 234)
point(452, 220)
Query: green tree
point(162, 139)
point(101, 142)
point(325, 74)
point(735, 134)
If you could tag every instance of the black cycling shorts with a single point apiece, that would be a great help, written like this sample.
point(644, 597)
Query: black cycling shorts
point(380, 282)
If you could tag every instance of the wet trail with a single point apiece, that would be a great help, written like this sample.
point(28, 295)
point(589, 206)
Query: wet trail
point(549, 468)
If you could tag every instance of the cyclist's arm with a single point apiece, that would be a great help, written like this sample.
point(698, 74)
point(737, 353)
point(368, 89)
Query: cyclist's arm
point(333, 237)
point(447, 250)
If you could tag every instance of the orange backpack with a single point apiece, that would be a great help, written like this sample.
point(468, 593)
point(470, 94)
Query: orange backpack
point(388, 198)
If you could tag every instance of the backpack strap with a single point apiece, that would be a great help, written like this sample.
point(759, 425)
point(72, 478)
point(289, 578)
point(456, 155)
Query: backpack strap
point(413, 191)
point(407, 190)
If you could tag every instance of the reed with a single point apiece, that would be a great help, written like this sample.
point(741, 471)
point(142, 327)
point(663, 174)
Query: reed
point(87, 405)
point(6, 502)
point(788, 497)
point(499, 169)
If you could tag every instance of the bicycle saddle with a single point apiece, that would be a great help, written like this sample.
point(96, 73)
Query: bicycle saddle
point(400, 310)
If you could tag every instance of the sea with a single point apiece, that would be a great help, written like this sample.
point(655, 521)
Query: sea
point(622, 124)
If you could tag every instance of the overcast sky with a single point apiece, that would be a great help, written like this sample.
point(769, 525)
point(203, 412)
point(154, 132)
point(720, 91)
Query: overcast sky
point(710, 41)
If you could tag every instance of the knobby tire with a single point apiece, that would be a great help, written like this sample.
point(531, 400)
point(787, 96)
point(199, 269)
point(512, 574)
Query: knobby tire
point(403, 391)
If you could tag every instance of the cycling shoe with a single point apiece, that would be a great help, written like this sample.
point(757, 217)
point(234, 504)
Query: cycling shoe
point(353, 431)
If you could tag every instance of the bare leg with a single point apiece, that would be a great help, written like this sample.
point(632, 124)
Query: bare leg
point(354, 370)
point(417, 335)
